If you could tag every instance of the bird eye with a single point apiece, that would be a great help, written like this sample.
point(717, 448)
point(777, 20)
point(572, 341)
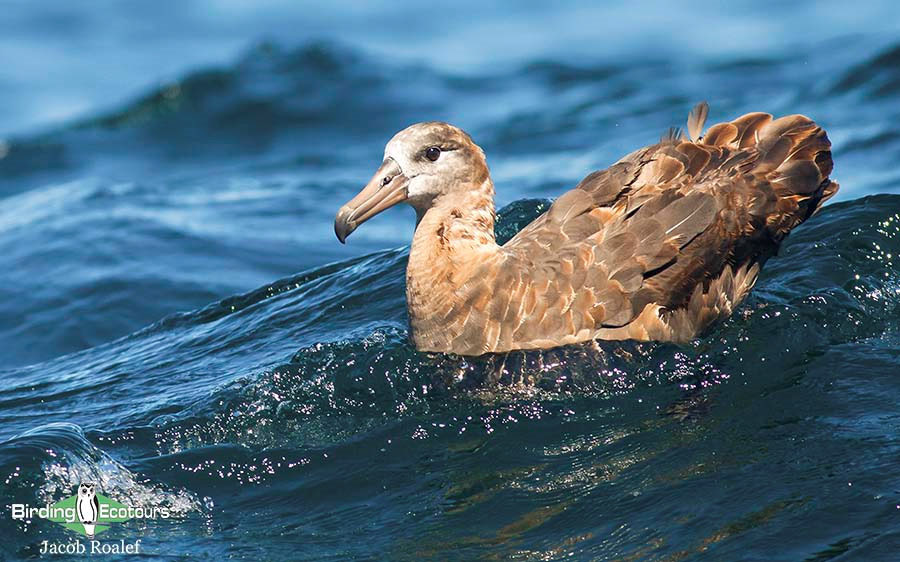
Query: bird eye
point(432, 153)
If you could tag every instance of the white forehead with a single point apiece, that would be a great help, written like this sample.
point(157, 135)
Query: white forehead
point(422, 135)
point(407, 141)
point(399, 147)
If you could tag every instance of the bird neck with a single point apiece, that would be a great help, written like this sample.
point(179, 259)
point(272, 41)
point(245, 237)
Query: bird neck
point(453, 237)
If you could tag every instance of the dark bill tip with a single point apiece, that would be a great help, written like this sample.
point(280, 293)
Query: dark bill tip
point(343, 226)
point(386, 188)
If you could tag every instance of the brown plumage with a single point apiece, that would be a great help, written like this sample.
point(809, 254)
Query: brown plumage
point(656, 247)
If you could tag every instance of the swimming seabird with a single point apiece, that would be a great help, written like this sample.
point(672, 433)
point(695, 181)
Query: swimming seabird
point(658, 246)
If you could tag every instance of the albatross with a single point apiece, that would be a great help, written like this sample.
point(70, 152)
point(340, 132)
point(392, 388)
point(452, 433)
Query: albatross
point(659, 246)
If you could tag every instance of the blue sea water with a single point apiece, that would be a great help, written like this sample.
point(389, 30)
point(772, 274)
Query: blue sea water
point(179, 325)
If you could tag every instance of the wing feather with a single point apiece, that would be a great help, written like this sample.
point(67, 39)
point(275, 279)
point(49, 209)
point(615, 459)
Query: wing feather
point(696, 120)
point(680, 225)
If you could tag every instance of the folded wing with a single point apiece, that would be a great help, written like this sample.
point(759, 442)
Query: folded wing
point(660, 244)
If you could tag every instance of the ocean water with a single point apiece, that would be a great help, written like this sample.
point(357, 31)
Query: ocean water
point(179, 325)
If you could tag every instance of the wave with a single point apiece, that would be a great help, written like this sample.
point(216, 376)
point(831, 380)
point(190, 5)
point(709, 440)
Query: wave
point(299, 409)
point(835, 282)
point(47, 463)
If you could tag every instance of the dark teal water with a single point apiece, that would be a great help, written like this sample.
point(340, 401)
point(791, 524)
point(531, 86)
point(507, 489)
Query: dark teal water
point(179, 325)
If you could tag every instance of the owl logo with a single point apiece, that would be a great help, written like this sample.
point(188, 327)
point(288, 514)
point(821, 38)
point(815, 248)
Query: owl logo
point(88, 507)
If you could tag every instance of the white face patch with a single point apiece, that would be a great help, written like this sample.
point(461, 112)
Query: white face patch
point(428, 178)
point(418, 188)
point(404, 149)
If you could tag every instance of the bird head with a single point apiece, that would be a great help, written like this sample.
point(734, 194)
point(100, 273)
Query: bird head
point(422, 163)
